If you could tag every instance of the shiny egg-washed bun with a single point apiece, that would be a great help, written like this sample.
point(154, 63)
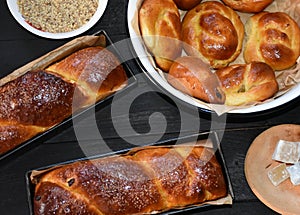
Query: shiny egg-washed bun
point(273, 38)
point(186, 4)
point(213, 32)
point(245, 84)
point(193, 77)
point(160, 26)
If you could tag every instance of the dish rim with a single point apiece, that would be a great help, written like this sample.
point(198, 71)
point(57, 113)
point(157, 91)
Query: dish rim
point(156, 78)
point(14, 10)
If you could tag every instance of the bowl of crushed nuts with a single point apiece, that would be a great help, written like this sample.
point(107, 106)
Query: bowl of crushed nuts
point(57, 19)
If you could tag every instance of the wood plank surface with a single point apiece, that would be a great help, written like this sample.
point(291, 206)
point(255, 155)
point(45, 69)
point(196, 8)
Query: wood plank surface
point(152, 109)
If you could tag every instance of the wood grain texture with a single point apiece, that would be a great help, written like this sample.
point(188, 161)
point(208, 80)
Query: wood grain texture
point(18, 47)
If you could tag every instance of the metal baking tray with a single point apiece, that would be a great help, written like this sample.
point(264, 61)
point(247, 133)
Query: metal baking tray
point(212, 136)
point(39, 138)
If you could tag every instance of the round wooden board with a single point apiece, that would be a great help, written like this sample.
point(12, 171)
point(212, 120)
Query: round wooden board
point(285, 198)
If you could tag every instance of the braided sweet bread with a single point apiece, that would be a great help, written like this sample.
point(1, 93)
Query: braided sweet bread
point(38, 100)
point(213, 32)
point(160, 26)
point(273, 38)
point(247, 83)
point(143, 181)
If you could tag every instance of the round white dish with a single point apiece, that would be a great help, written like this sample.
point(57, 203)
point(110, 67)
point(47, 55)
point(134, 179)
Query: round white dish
point(159, 80)
point(13, 7)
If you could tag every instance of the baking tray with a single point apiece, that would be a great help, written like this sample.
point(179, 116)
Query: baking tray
point(212, 136)
point(81, 114)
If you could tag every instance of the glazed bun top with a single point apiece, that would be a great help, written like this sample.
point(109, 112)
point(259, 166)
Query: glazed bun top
point(213, 32)
point(273, 38)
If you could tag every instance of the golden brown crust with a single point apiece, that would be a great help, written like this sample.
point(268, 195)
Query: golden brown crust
point(11, 135)
point(171, 170)
point(64, 202)
point(38, 100)
point(112, 185)
point(247, 83)
point(186, 4)
point(192, 76)
point(214, 32)
point(160, 26)
point(144, 181)
point(273, 38)
point(32, 103)
point(95, 69)
point(248, 6)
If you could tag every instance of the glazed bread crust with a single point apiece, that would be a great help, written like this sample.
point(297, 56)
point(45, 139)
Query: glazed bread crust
point(273, 38)
point(213, 32)
point(95, 70)
point(32, 103)
point(160, 26)
point(142, 181)
point(245, 84)
point(186, 4)
point(193, 77)
point(41, 99)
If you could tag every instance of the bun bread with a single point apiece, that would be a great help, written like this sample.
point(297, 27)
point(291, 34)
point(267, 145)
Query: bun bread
point(245, 84)
point(160, 26)
point(186, 4)
point(193, 77)
point(273, 38)
point(213, 32)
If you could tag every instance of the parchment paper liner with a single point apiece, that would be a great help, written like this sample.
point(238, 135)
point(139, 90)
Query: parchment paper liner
point(57, 54)
point(36, 174)
point(286, 78)
point(99, 39)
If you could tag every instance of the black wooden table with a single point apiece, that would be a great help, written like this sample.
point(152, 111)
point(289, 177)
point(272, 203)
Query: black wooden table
point(146, 112)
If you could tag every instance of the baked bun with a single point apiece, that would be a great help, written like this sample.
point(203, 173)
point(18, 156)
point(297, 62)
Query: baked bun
point(160, 26)
point(273, 38)
point(247, 83)
point(193, 77)
point(248, 6)
point(186, 4)
point(213, 32)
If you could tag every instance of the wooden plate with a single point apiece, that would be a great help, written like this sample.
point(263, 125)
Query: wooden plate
point(285, 198)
